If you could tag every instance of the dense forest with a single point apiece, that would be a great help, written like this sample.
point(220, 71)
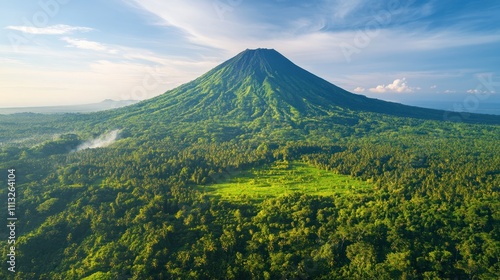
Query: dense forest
point(136, 208)
point(132, 211)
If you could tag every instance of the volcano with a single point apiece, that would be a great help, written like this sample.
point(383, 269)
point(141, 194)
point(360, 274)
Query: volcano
point(262, 84)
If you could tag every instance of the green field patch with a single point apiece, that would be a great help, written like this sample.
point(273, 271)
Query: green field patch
point(282, 178)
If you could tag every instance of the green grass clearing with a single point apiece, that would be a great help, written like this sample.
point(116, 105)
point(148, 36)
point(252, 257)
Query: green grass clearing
point(282, 178)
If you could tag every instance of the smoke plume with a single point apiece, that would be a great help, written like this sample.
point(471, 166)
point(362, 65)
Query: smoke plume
point(100, 142)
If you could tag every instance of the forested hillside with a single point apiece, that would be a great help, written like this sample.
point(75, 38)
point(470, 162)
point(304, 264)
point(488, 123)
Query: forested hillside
point(142, 205)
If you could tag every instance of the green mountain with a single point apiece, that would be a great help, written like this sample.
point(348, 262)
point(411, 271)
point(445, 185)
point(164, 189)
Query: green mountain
point(256, 170)
point(263, 84)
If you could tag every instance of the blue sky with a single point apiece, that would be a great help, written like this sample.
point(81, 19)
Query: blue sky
point(57, 52)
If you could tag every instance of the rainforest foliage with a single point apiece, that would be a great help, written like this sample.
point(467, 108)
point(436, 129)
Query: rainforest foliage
point(138, 209)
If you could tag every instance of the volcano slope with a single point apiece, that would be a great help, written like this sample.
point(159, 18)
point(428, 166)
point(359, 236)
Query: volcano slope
point(419, 188)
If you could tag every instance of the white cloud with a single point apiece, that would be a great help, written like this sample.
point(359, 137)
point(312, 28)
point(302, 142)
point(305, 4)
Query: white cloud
point(58, 29)
point(359, 89)
point(449, 91)
point(235, 25)
point(477, 91)
point(434, 87)
point(132, 73)
point(88, 45)
point(399, 86)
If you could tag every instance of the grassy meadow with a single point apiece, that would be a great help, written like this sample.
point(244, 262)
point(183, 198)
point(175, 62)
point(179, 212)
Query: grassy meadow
point(282, 178)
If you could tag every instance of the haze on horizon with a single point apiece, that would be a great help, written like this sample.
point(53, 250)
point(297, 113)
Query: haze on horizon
point(57, 52)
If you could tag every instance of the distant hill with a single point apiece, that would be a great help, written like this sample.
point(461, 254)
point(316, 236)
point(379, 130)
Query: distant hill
point(85, 108)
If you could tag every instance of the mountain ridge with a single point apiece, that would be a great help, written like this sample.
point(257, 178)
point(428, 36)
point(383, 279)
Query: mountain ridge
point(263, 84)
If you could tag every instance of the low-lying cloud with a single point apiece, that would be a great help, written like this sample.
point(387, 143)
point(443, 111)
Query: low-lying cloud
point(399, 85)
point(359, 89)
point(100, 142)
